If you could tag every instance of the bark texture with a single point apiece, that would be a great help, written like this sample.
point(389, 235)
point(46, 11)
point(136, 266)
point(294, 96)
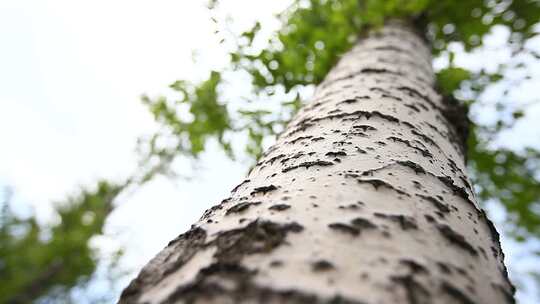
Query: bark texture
point(363, 199)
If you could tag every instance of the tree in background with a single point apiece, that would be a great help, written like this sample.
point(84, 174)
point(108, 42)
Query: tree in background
point(314, 35)
point(57, 262)
point(44, 263)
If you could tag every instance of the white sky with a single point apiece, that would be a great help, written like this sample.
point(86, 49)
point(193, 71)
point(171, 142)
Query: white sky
point(71, 73)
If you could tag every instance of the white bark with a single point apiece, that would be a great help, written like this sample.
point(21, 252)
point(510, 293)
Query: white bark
point(363, 199)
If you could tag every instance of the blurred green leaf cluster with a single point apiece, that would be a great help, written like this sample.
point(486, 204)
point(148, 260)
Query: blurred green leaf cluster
point(36, 259)
point(512, 179)
point(205, 117)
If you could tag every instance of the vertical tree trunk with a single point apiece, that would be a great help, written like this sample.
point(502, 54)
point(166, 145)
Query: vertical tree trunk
point(363, 199)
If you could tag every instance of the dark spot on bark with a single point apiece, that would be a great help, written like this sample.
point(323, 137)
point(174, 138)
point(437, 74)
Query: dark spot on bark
point(377, 183)
point(273, 159)
point(508, 295)
point(364, 128)
point(379, 89)
point(241, 184)
point(429, 218)
point(308, 164)
point(408, 124)
point(280, 207)
point(354, 116)
point(384, 116)
point(204, 285)
point(416, 167)
point(456, 238)
point(495, 252)
point(207, 213)
point(256, 237)
point(456, 294)
point(444, 268)
point(404, 221)
point(344, 228)
point(241, 207)
point(300, 138)
point(415, 292)
point(349, 207)
point(334, 111)
point(322, 265)
point(391, 97)
point(336, 153)
point(457, 190)
point(360, 134)
point(351, 100)
point(483, 252)
point(263, 189)
point(414, 266)
point(461, 271)
point(362, 224)
point(301, 126)
point(413, 107)
point(413, 92)
point(361, 150)
point(435, 202)
point(276, 263)
point(425, 138)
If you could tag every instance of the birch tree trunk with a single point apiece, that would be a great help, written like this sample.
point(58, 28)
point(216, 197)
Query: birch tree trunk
point(363, 199)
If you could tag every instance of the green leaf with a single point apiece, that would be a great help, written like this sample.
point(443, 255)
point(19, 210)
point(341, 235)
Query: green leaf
point(451, 78)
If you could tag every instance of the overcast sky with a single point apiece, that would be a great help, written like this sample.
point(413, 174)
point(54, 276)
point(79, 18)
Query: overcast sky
point(71, 73)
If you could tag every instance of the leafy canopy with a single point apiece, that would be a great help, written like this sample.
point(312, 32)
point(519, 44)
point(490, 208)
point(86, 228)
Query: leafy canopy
point(37, 261)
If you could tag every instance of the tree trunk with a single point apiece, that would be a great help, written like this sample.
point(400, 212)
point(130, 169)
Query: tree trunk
point(363, 199)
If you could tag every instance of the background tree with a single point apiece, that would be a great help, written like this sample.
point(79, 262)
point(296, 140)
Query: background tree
point(313, 36)
point(46, 262)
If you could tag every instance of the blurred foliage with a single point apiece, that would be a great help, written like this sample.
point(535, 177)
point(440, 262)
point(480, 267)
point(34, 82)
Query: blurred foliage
point(449, 79)
point(205, 117)
point(313, 36)
point(45, 261)
point(511, 178)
